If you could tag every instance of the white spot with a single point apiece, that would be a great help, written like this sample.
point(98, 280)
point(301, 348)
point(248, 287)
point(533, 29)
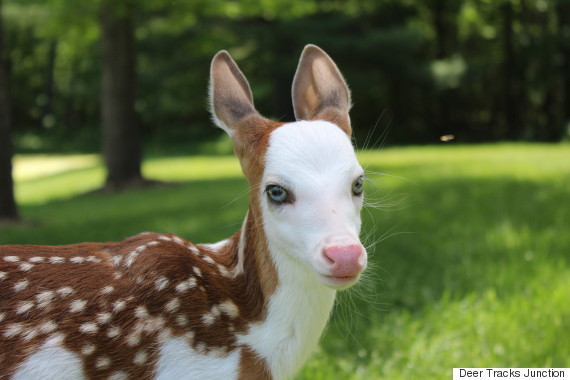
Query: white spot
point(164, 334)
point(3, 275)
point(103, 318)
point(93, 259)
point(194, 250)
point(56, 260)
point(119, 305)
point(13, 329)
point(210, 318)
point(77, 306)
point(161, 283)
point(24, 307)
point(177, 240)
point(152, 243)
point(224, 271)
point(117, 260)
point(113, 332)
point(197, 271)
point(185, 285)
point(189, 336)
point(201, 348)
point(88, 349)
point(55, 340)
point(29, 334)
point(229, 308)
point(37, 259)
point(89, 328)
point(181, 320)
point(152, 324)
point(2, 316)
point(209, 260)
point(20, 285)
point(117, 275)
point(139, 279)
point(165, 238)
point(172, 305)
point(216, 247)
point(140, 357)
point(48, 327)
point(134, 339)
point(141, 312)
point(24, 267)
point(107, 289)
point(11, 259)
point(119, 375)
point(44, 298)
point(218, 352)
point(102, 362)
point(65, 291)
point(132, 256)
point(77, 259)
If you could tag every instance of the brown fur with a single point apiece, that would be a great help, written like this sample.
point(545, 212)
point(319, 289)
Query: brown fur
point(146, 305)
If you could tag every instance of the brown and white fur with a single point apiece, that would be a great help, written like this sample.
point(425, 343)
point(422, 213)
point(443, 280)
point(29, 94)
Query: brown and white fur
point(156, 306)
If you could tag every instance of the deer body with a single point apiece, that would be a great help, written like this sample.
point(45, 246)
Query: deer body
point(253, 306)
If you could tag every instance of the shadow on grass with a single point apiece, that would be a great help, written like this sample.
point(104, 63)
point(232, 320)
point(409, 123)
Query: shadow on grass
point(197, 210)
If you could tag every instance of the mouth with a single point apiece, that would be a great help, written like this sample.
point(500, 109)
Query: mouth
point(340, 282)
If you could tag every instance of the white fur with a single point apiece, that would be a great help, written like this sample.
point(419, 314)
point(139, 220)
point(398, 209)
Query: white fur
point(297, 314)
point(315, 161)
point(51, 363)
point(179, 361)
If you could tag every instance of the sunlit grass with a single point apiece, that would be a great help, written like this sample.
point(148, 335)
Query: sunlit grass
point(470, 268)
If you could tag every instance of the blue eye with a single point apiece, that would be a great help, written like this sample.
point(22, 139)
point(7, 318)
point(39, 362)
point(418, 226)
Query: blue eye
point(277, 194)
point(358, 186)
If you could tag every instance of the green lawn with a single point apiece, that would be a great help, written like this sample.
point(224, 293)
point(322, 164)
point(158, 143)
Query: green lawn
point(469, 245)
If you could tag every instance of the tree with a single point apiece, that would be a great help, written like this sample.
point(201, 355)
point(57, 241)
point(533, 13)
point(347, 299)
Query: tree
point(8, 209)
point(121, 129)
point(563, 13)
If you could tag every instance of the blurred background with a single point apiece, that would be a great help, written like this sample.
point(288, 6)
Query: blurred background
point(481, 70)
point(461, 118)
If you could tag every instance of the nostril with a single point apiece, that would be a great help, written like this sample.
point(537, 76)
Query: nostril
point(328, 259)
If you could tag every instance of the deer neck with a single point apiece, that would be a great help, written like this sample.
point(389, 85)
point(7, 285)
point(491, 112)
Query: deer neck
point(296, 304)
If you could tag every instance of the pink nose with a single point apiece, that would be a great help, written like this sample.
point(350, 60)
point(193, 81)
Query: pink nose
point(345, 260)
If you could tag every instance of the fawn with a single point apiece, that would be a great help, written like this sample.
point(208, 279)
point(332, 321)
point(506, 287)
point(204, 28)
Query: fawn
point(156, 306)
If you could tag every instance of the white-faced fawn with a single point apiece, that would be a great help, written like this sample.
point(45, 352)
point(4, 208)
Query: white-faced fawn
point(156, 306)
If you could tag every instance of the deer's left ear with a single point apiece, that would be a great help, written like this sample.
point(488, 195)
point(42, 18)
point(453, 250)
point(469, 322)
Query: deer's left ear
point(319, 90)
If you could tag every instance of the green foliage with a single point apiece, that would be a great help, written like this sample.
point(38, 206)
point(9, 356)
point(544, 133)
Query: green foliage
point(430, 68)
point(469, 249)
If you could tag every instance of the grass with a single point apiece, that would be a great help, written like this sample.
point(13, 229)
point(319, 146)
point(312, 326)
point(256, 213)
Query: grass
point(470, 249)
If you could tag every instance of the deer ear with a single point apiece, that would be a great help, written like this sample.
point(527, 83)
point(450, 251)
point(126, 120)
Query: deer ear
point(319, 90)
point(231, 100)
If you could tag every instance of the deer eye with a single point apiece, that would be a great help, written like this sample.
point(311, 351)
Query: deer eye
point(277, 194)
point(358, 186)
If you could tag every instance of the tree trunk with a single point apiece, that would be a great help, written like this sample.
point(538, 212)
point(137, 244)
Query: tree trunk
point(511, 86)
point(8, 209)
point(47, 107)
point(121, 130)
point(563, 13)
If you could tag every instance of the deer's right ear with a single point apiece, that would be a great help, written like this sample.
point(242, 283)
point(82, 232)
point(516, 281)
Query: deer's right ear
point(231, 100)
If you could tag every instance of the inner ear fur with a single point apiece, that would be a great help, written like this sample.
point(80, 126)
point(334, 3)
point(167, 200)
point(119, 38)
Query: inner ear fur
point(319, 91)
point(231, 101)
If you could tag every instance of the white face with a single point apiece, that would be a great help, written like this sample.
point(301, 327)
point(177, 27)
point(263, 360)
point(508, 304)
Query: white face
point(311, 197)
